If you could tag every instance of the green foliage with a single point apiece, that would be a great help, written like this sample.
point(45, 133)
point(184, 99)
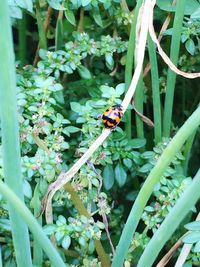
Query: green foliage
point(83, 68)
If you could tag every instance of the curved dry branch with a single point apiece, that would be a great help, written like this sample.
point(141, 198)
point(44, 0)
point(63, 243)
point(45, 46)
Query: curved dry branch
point(162, 53)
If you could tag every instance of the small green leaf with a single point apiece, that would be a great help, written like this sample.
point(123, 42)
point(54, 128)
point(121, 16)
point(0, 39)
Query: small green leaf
point(120, 175)
point(72, 129)
point(66, 242)
point(85, 2)
point(70, 17)
point(190, 46)
point(193, 226)
point(197, 247)
point(137, 143)
point(55, 4)
point(108, 177)
point(5, 224)
point(146, 168)
point(75, 106)
point(192, 237)
point(97, 17)
point(84, 72)
point(49, 229)
point(120, 88)
point(128, 163)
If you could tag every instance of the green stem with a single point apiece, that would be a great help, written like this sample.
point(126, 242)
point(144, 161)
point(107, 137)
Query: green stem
point(41, 30)
point(153, 178)
point(37, 250)
point(35, 228)
point(59, 31)
point(10, 136)
point(171, 222)
point(22, 52)
point(155, 91)
point(171, 76)
point(187, 151)
point(138, 102)
point(129, 64)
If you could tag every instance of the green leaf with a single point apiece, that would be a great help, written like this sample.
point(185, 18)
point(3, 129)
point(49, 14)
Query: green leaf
point(97, 17)
point(26, 4)
point(191, 238)
point(109, 60)
point(190, 46)
point(193, 226)
point(120, 175)
point(137, 143)
point(75, 106)
point(108, 177)
point(72, 129)
point(5, 224)
point(55, 4)
point(146, 168)
point(166, 5)
point(84, 72)
point(49, 229)
point(85, 2)
point(70, 17)
point(128, 163)
point(195, 14)
point(197, 247)
point(120, 88)
point(66, 242)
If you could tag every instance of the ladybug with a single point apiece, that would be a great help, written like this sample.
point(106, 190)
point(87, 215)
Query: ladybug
point(112, 116)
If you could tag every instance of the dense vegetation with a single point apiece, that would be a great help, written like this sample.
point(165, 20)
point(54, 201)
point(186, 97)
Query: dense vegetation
point(73, 60)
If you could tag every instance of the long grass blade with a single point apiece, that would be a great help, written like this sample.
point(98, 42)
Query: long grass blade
point(155, 91)
point(171, 76)
point(136, 212)
point(171, 222)
point(10, 136)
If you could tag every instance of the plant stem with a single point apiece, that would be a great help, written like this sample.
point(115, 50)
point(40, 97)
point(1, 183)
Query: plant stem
point(10, 136)
point(138, 102)
point(186, 201)
point(153, 178)
point(129, 64)
point(155, 91)
point(22, 52)
point(59, 30)
point(171, 76)
point(35, 228)
point(83, 211)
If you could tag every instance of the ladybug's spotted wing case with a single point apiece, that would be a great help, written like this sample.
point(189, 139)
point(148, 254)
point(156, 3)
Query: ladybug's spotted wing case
point(112, 116)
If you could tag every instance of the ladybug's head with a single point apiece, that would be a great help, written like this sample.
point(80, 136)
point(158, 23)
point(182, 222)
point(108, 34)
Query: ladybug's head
point(118, 106)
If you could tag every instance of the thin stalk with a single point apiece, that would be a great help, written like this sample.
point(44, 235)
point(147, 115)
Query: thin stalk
point(155, 91)
point(59, 30)
point(184, 204)
point(187, 152)
point(171, 76)
point(10, 136)
point(37, 250)
point(22, 52)
point(136, 212)
point(1, 264)
point(129, 64)
point(83, 211)
point(41, 30)
point(35, 228)
point(138, 102)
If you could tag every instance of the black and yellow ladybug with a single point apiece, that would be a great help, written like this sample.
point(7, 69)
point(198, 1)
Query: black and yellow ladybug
point(112, 116)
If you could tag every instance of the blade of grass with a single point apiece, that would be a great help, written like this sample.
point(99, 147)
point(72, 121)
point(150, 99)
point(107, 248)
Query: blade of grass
point(186, 201)
point(37, 250)
point(171, 76)
point(10, 136)
point(41, 29)
point(138, 102)
point(136, 212)
point(130, 62)
point(1, 265)
point(35, 228)
point(155, 91)
point(22, 52)
point(59, 30)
